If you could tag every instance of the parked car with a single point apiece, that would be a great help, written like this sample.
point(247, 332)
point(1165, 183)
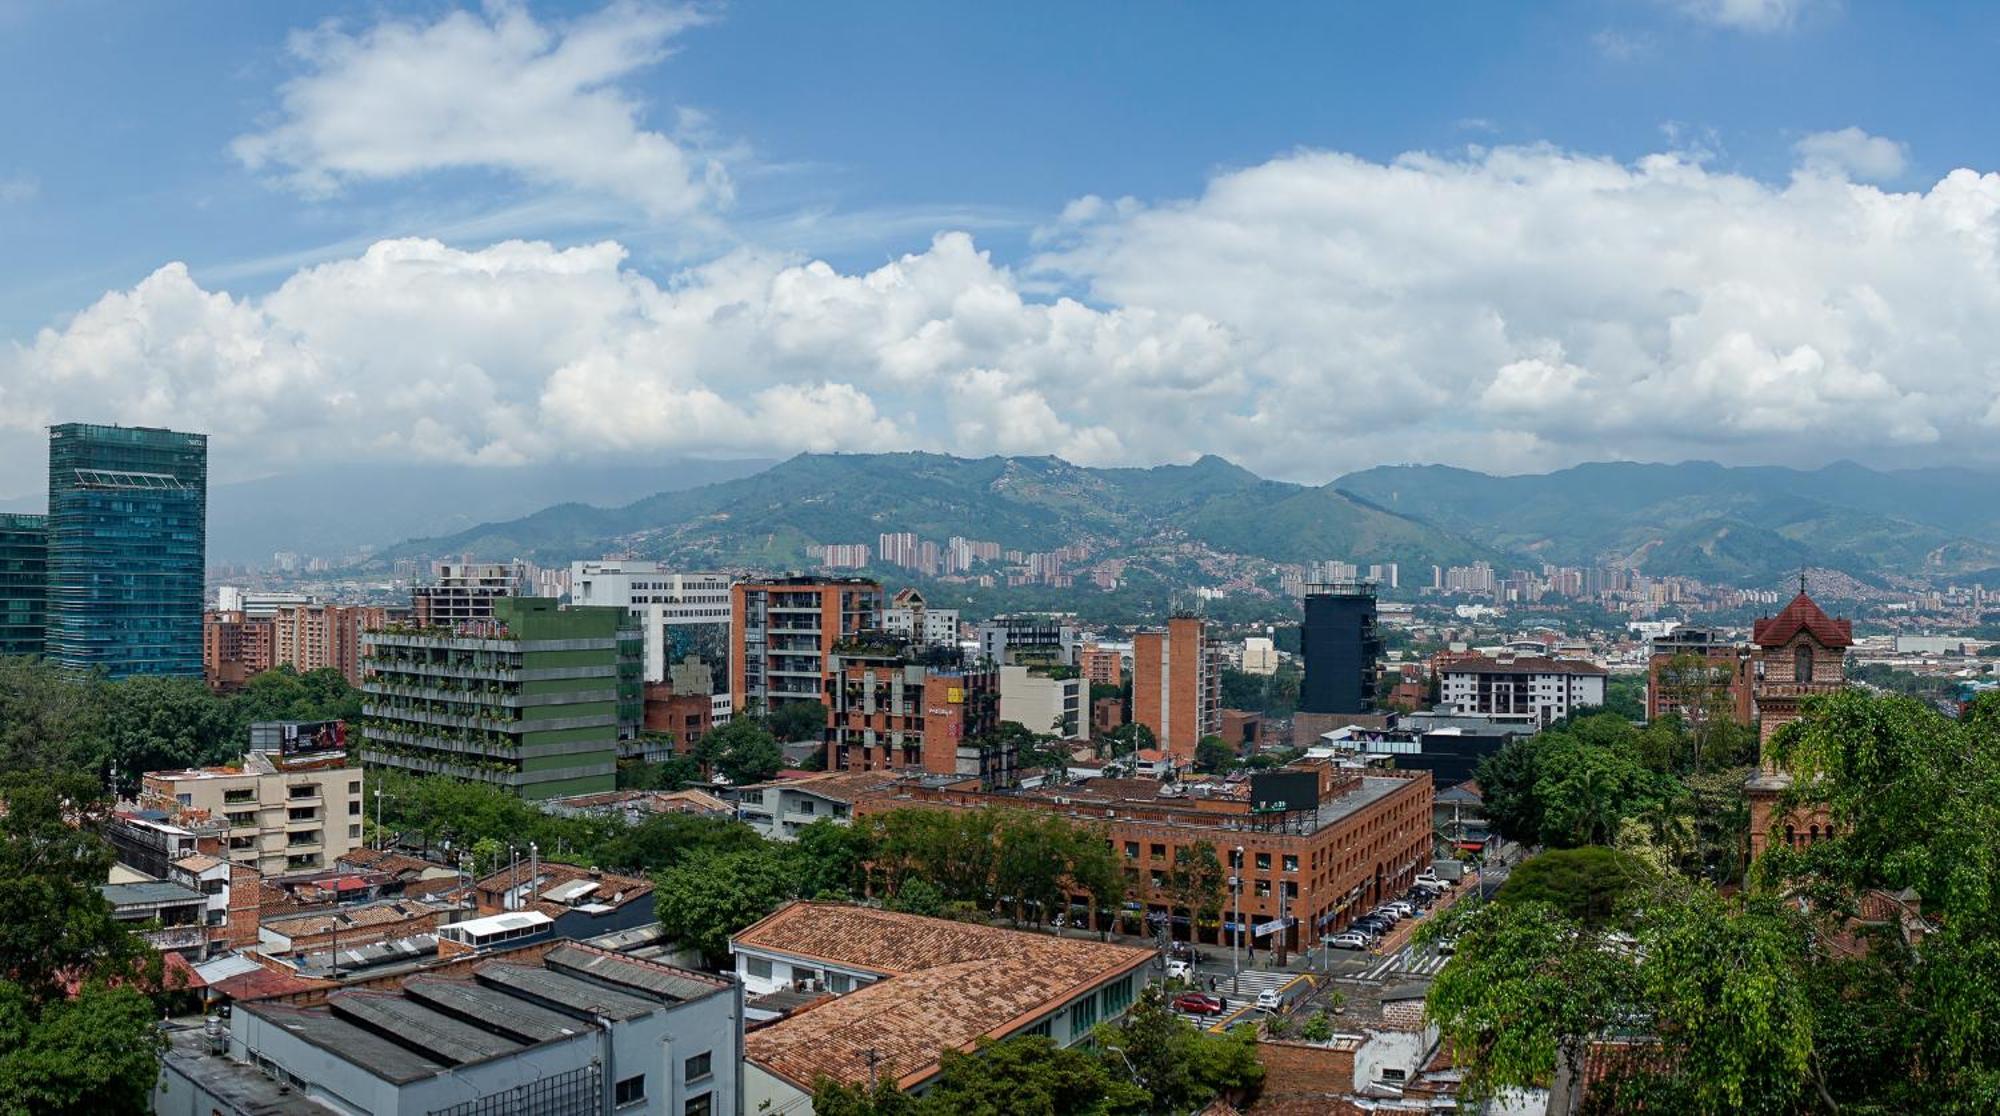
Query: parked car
point(1447, 946)
point(1349, 940)
point(1402, 909)
point(1200, 1003)
point(1269, 1000)
point(1376, 926)
point(1178, 969)
point(1430, 879)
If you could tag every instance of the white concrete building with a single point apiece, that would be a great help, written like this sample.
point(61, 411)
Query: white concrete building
point(682, 614)
point(1260, 656)
point(1031, 698)
point(1545, 688)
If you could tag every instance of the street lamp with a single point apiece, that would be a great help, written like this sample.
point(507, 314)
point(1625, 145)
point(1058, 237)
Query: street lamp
point(1236, 937)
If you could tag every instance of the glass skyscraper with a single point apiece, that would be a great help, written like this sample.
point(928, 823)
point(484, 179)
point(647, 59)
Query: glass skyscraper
point(128, 509)
point(24, 585)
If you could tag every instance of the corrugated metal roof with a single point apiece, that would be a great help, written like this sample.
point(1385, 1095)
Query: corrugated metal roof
point(552, 989)
point(438, 1035)
point(650, 979)
point(510, 1015)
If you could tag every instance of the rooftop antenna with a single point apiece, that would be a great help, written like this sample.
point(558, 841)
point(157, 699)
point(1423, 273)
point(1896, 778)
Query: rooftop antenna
point(1802, 579)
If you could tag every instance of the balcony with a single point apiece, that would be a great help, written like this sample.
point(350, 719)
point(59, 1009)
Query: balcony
point(168, 939)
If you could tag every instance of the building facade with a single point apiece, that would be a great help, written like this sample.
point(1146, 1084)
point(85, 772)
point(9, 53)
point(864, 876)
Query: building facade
point(1177, 686)
point(536, 700)
point(234, 648)
point(1340, 646)
point(1305, 873)
point(681, 614)
point(783, 630)
point(464, 592)
point(281, 811)
point(911, 618)
point(128, 512)
point(24, 583)
point(1046, 699)
point(1801, 654)
point(1101, 666)
point(1695, 673)
point(1030, 639)
point(888, 709)
point(1545, 689)
point(323, 636)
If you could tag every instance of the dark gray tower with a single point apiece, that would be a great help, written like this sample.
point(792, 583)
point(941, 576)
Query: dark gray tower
point(1340, 647)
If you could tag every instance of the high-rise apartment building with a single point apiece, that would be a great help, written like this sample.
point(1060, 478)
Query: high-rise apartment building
point(1340, 646)
point(782, 631)
point(464, 591)
point(1696, 673)
point(681, 614)
point(1101, 666)
point(234, 647)
point(321, 636)
point(1177, 685)
point(1031, 638)
point(128, 511)
point(535, 700)
point(24, 583)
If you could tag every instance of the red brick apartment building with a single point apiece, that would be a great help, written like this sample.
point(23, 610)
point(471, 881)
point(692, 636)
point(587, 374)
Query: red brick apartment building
point(1177, 686)
point(1320, 869)
point(888, 711)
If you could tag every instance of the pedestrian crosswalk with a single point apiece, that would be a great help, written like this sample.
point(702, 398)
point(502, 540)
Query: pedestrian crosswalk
point(1251, 982)
point(1402, 964)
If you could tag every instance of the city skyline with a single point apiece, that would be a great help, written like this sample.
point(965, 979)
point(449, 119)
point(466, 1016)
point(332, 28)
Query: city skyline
point(1584, 232)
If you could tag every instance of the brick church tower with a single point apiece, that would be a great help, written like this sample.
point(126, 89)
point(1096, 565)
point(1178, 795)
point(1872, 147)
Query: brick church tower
point(1801, 652)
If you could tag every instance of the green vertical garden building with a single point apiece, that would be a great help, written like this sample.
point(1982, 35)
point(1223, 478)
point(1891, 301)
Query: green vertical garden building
point(535, 700)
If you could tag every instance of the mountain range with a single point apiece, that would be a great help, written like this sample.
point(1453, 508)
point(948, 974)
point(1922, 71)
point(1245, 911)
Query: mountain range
point(1733, 525)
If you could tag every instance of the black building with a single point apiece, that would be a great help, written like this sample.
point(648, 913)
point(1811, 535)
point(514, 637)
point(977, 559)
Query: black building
point(1340, 646)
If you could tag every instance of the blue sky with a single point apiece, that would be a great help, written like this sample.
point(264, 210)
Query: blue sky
point(853, 134)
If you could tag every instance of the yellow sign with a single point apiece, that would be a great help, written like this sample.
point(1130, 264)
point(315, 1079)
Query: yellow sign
point(955, 696)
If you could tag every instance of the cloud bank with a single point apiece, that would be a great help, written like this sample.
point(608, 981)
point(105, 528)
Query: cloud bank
point(1507, 308)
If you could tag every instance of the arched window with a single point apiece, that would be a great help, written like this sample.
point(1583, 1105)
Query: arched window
point(1802, 667)
point(1812, 835)
point(1791, 837)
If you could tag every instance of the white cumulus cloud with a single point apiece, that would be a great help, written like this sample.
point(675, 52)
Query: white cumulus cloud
point(500, 91)
point(1504, 308)
point(1762, 16)
point(1854, 153)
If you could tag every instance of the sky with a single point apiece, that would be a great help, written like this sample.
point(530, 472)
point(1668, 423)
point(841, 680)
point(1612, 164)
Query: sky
point(1309, 238)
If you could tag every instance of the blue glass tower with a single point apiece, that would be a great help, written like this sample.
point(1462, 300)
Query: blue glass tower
point(24, 583)
point(128, 510)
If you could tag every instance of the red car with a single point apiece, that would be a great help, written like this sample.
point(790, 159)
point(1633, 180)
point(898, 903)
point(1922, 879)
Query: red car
point(1200, 1003)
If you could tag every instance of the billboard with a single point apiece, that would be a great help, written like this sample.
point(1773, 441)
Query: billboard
point(298, 738)
point(1275, 792)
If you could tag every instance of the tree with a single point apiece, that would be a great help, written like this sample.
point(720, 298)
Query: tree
point(1586, 884)
point(1127, 739)
point(796, 720)
point(1196, 883)
point(76, 1024)
point(711, 895)
point(1212, 755)
point(154, 723)
point(47, 722)
point(1026, 1076)
point(1178, 1067)
point(831, 858)
point(743, 751)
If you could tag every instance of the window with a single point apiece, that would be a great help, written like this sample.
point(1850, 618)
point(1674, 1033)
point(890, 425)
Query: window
point(301, 813)
point(806, 806)
point(1131, 850)
point(1159, 852)
point(759, 968)
point(354, 833)
point(354, 787)
point(354, 808)
point(1802, 664)
point(306, 790)
point(703, 1105)
point(1291, 863)
point(184, 799)
point(632, 1090)
point(698, 1067)
point(1263, 862)
point(1263, 887)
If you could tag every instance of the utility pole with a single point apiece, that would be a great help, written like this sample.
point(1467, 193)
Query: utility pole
point(1284, 908)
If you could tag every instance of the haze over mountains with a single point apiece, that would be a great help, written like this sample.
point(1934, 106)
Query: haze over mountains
point(1737, 525)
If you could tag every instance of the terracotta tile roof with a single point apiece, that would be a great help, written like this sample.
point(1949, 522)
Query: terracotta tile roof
point(197, 862)
point(838, 786)
point(948, 984)
point(366, 917)
point(385, 860)
point(554, 874)
point(1802, 613)
point(1522, 664)
point(264, 983)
